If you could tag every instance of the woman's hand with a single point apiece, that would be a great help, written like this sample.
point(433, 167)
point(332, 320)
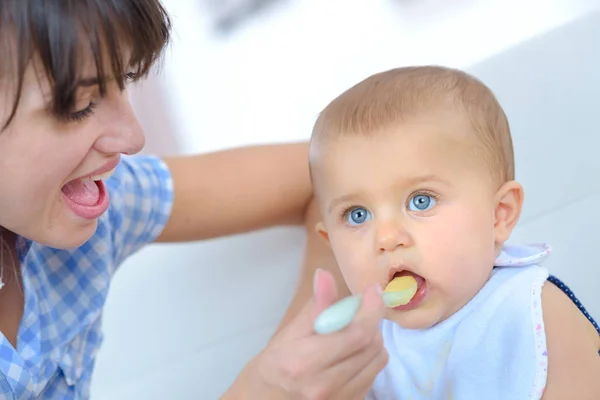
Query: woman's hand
point(300, 364)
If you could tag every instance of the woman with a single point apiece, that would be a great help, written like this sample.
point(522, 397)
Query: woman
point(65, 122)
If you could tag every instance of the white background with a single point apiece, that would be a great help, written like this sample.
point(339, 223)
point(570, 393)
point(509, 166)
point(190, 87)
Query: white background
point(182, 320)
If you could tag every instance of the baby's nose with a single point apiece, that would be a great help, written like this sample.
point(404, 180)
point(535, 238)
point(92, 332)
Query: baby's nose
point(392, 235)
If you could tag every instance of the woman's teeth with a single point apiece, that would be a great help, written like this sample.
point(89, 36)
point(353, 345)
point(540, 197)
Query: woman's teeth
point(101, 177)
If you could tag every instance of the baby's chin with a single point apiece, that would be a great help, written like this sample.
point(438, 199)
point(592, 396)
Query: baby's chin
point(416, 319)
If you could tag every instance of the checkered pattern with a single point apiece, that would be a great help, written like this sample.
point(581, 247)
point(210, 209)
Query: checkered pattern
point(65, 290)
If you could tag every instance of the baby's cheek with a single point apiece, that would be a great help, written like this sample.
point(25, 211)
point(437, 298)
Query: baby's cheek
point(358, 271)
point(352, 273)
point(449, 266)
point(360, 281)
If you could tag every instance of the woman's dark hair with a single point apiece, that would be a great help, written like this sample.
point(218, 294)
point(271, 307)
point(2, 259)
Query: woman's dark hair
point(60, 34)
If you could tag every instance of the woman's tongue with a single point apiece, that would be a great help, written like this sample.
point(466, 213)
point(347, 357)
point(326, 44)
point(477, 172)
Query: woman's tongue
point(84, 192)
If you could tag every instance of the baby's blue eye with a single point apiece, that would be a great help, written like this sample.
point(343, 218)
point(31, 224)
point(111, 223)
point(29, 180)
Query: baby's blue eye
point(358, 216)
point(421, 202)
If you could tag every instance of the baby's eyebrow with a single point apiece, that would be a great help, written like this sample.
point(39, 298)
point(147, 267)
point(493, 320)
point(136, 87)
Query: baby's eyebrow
point(410, 181)
point(339, 200)
point(415, 180)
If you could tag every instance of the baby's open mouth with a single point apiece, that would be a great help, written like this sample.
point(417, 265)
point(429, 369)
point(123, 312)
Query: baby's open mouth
point(405, 290)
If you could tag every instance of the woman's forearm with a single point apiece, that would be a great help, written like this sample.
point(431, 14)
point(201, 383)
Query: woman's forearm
point(237, 190)
point(317, 254)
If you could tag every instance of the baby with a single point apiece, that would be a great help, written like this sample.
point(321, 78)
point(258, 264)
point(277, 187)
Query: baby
point(414, 174)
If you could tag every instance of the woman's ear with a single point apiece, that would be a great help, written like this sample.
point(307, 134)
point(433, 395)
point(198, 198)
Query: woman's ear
point(322, 231)
point(509, 201)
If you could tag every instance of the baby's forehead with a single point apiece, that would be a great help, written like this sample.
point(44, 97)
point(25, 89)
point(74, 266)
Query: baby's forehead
point(398, 157)
point(426, 100)
point(450, 131)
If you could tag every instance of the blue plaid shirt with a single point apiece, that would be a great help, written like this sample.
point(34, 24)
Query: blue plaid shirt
point(65, 290)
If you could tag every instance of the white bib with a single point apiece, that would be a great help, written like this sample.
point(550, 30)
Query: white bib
point(494, 348)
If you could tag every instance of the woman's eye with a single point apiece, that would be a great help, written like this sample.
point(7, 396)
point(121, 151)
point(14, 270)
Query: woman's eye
point(82, 114)
point(130, 77)
point(421, 202)
point(358, 216)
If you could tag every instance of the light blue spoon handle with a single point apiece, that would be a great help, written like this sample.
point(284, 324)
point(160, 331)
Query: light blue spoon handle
point(338, 315)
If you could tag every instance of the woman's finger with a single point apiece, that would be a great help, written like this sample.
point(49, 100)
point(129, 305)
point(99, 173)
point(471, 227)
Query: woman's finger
point(331, 349)
point(303, 360)
point(325, 291)
point(334, 380)
point(358, 371)
point(325, 294)
point(372, 309)
point(358, 387)
point(311, 356)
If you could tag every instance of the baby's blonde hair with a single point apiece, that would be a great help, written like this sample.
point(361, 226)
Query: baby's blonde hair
point(396, 95)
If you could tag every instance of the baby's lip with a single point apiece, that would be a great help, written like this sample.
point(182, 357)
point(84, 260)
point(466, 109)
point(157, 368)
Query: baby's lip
point(399, 270)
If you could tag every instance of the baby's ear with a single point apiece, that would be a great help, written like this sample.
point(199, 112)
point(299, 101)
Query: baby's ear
point(509, 201)
point(322, 231)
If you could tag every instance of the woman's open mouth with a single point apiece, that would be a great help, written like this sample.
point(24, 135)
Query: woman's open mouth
point(87, 197)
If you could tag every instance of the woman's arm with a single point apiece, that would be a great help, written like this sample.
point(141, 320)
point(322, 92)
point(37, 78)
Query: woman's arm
point(573, 359)
point(250, 188)
point(318, 254)
point(237, 190)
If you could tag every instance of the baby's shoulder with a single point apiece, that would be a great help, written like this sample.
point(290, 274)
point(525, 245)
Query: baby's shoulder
point(573, 344)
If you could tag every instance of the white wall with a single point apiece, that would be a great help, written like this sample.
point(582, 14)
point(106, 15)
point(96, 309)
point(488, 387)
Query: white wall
point(178, 323)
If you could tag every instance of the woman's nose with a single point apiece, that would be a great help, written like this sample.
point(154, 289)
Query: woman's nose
point(122, 133)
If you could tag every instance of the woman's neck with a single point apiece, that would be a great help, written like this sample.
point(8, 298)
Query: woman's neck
point(11, 292)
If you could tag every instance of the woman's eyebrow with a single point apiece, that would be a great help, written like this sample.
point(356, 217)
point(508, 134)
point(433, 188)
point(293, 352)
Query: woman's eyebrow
point(86, 82)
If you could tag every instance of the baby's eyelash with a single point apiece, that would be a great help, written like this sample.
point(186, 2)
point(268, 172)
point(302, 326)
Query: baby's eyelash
point(424, 192)
point(347, 210)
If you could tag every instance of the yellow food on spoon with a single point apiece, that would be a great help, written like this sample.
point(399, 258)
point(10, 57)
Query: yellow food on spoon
point(400, 291)
point(401, 283)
